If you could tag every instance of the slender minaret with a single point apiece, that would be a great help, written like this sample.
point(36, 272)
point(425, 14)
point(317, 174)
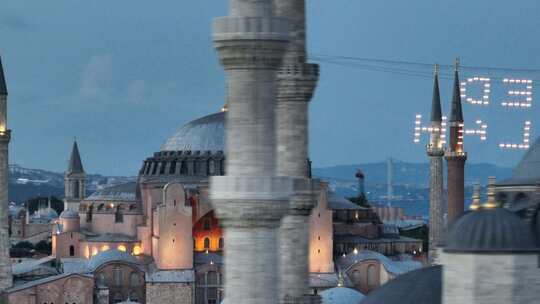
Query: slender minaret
point(435, 151)
point(297, 80)
point(251, 200)
point(6, 279)
point(455, 155)
point(390, 179)
point(74, 180)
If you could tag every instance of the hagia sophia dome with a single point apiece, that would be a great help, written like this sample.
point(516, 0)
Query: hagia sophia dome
point(193, 152)
point(204, 134)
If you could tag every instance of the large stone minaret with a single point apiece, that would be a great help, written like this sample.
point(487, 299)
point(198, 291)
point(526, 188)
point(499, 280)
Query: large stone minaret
point(455, 155)
point(74, 181)
point(435, 151)
point(6, 279)
point(251, 200)
point(297, 80)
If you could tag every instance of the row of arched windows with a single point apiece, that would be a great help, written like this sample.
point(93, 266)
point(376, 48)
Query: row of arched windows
point(206, 243)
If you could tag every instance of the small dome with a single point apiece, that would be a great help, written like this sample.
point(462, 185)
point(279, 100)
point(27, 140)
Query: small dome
point(69, 214)
point(45, 214)
point(341, 295)
point(204, 134)
point(423, 286)
point(490, 230)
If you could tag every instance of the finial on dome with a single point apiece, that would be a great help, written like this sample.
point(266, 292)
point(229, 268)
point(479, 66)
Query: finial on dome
point(476, 197)
point(491, 201)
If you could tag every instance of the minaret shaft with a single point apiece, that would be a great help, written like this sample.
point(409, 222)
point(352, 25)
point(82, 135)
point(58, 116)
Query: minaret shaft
point(6, 279)
point(250, 200)
point(456, 156)
point(435, 152)
point(296, 83)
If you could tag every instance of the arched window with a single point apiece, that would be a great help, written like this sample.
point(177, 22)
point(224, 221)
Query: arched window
point(372, 276)
point(71, 250)
point(101, 279)
point(119, 215)
point(206, 243)
point(183, 168)
point(117, 275)
point(89, 213)
point(134, 280)
point(211, 167)
point(207, 224)
point(76, 189)
point(172, 168)
point(221, 243)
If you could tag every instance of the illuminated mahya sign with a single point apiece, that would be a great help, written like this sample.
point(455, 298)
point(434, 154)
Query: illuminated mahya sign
point(518, 97)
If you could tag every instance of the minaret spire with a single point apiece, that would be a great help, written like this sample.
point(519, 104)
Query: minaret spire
point(455, 154)
point(75, 163)
point(74, 180)
point(436, 112)
point(435, 152)
point(3, 86)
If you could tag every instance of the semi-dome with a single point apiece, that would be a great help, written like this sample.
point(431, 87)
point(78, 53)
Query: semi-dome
point(341, 295)
point(527, 172)
point(69, 214)
point(203, 134)
point(108, 256)
point(491, 231)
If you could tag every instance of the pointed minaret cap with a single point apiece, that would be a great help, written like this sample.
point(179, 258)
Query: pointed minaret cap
point(436, 112)
point(456, 113)
point(476, 197)
point(75, 163)
point(3, 86)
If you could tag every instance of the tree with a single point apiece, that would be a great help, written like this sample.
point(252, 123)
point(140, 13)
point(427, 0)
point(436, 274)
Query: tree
point(44, 247)
point(24, 245)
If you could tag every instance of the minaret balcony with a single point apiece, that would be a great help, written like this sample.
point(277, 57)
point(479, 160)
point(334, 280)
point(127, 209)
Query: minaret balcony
point(434, 150)
point(5, 136)
point(456, 154)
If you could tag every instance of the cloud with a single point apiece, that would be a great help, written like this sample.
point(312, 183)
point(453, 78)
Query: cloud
point(13, 21)
point(136, 91)
point(96, 77)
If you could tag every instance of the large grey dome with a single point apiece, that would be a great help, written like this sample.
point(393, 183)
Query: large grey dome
point(528, 170)
point(491, 231)
point(204, 134)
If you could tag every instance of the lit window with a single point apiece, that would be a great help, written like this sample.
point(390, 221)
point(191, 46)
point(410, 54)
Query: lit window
point(122, 248)
point(137, 250)
point(105, 247)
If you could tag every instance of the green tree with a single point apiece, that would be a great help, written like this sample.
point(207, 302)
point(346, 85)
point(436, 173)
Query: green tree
point(44, 247)
point(24, 245)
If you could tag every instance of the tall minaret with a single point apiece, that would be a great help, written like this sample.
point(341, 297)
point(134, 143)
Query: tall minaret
point(297, 80)
point(6, 279)
point(455, 155)
point(435, 151)
point(74, 180)
point(251, 200)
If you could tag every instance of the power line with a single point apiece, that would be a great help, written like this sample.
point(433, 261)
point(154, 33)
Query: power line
point(419, 64)
point(414, 69)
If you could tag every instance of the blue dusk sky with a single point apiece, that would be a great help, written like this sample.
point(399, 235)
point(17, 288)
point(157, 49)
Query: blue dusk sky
point(123, 75)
